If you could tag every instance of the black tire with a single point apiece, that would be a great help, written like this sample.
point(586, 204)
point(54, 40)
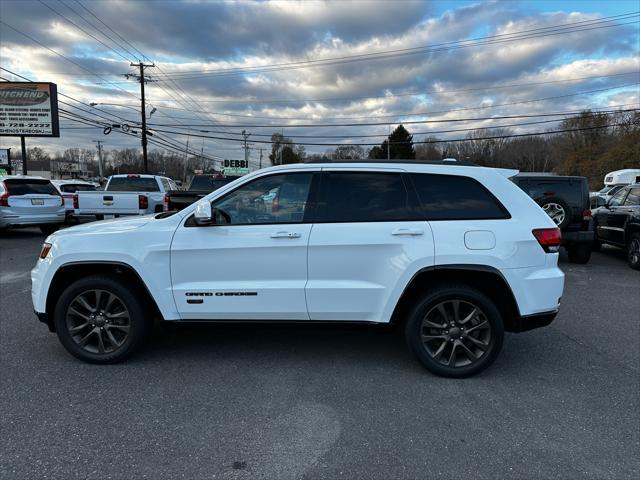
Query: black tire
point(48, 229)
point(547, 201)
point(428, 305)
point(128, 296)
point(580, 253)
point(99, 217)
point(633, 251)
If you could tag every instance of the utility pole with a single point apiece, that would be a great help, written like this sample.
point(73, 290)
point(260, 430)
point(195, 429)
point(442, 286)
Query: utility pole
point(389, 145)
point(186, 158)
point(24, 155)
point(261, 158)
point(99, 142)
point(143, 113)
point(245, 136)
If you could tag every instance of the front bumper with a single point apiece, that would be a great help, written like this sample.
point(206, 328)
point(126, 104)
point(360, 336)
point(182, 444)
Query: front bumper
point(524, 323)
point(47, 320)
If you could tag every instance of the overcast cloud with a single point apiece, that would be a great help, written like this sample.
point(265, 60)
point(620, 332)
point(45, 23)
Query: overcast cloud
point(195, 36)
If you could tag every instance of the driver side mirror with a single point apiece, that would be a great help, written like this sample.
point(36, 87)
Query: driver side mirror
point(205, 216)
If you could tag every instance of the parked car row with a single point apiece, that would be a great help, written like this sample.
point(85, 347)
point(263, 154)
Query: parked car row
point(565, 199)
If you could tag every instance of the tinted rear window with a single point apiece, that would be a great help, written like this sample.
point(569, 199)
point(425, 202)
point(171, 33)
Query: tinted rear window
point(572, 190)
point(29, 187)
point(133, 184)
point(452, 197)
point(77, 188)
point(363, 197)
point(208, 183)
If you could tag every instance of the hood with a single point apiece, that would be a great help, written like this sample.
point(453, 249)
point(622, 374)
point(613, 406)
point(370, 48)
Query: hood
point(116, 225)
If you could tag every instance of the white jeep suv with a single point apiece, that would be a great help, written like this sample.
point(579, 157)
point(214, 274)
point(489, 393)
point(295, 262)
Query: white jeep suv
point(454, 254)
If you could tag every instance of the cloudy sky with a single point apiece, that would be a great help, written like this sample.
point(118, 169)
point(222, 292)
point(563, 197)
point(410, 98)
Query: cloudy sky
point(272, 65)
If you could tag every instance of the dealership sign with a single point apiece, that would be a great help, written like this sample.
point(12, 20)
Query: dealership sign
point(29, 109)
point(233, 168)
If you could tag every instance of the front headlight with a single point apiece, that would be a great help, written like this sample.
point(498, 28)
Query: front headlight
point(45, 250)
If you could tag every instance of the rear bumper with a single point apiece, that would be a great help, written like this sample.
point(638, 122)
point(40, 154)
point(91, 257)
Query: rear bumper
point(25, 220)
point(529, 322)
point(577, 237)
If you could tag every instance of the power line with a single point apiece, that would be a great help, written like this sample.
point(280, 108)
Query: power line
point(604, 22)
point(412, 93)
point(402, 114)
point(63, 56)
point(315, 125)
point(433, 132)
point(82, 29)
point(493, 137)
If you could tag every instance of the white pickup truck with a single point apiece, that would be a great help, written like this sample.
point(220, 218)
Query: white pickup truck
point(130, 194)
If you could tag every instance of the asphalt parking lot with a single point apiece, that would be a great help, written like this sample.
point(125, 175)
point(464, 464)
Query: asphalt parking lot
point(305, 401)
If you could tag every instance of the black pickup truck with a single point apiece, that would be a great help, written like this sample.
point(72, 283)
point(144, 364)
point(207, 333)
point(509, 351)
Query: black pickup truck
point(201, 185)
point(618, 223)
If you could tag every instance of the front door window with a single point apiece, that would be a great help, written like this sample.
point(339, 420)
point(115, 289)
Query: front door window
point(268, 200)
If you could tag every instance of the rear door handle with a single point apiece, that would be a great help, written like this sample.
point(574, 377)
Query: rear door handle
point(407, 231)
point(285, 235)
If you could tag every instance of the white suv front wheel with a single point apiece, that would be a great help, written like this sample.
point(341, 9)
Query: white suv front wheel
point(455, 331)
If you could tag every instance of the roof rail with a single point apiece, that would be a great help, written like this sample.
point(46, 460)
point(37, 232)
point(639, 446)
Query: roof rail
point(448, 162)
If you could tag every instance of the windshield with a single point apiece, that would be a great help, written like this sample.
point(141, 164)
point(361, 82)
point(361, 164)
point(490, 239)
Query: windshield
point(133, 184)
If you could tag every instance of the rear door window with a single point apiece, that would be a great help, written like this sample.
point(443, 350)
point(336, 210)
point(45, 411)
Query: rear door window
point(364, 197)
point(133, 184)
point(30, 187)
point(454, 197)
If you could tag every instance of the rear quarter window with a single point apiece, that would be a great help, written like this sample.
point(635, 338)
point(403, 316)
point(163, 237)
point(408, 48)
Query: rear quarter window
point(30, 187)
point(454, 197)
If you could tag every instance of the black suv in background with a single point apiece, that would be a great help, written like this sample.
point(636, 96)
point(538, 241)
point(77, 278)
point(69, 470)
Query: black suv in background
point(201, 185)
point(618, 223)
point(566, 201)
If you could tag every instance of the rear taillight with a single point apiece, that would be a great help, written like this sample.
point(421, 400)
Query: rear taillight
point(548, 238)
point(586, 215)
point(76, 203)
point(4, 198)
point(61, 200)
point(166, 203)
point(143, 202)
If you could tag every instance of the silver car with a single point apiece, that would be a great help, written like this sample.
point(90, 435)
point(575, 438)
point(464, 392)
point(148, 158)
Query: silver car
point(26, 201)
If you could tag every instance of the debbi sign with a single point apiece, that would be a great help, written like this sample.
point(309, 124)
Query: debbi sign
point(28, 109)
point(236, 167)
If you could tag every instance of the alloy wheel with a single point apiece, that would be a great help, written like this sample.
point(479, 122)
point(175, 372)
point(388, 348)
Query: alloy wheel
point(555, 211)
point(98, 321)
point(456, 333)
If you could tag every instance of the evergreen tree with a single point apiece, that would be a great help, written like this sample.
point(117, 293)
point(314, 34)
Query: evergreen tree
point(401, 146)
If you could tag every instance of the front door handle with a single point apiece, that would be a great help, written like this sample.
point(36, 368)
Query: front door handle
point(285, 235)
point(407, 231)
